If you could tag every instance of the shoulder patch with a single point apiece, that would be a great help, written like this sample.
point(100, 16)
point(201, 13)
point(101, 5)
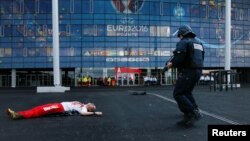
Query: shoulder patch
point(198, 46)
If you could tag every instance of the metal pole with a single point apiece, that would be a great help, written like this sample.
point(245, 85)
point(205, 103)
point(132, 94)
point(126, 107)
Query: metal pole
point(56, 59)
point(228, 35)
point(13, 78)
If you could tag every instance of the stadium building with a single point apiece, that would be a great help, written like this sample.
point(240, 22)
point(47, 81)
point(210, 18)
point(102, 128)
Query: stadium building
point(125, 40)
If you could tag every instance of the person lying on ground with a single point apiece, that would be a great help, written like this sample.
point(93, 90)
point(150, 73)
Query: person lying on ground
point(62, 108)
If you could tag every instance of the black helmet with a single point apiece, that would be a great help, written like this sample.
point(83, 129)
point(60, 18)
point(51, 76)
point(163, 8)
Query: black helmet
point(185, 30)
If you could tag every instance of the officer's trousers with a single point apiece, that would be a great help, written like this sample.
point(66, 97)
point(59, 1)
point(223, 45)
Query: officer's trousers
point(186, 81)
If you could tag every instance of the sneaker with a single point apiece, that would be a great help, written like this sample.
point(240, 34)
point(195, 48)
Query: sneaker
point(13, 114)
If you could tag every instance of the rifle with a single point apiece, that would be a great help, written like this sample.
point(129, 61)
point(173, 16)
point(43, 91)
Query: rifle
point(166, 68)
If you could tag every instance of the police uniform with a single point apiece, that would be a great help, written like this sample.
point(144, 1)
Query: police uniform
point(188, 59)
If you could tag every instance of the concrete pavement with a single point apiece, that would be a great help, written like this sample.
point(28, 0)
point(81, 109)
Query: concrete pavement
point(126, 117)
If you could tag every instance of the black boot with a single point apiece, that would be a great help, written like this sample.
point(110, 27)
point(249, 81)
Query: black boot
point(197, 114)
point(190, 118)
point(187, 120)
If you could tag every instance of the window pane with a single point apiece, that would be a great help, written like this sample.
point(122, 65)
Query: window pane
point(86, 6)
point(64, 6)
point(29, 6)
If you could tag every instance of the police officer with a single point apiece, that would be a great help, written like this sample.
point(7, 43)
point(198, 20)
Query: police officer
point(188, 59)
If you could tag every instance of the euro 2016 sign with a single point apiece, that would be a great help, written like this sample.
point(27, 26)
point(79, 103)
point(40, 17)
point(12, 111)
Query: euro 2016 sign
point(126, 30)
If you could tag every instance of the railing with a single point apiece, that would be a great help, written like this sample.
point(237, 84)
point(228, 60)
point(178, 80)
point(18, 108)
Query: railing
point(224, 80)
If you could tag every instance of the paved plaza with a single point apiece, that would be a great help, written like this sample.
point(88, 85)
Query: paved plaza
point(126, 117)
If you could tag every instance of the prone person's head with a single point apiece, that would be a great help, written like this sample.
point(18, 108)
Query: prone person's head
point(90, 107)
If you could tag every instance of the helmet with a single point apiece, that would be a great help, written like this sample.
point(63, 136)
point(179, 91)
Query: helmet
point(185, 30)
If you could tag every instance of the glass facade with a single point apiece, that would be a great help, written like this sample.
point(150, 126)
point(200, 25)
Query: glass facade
point(98, 34)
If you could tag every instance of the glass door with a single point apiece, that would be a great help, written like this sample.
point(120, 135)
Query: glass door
point(5, 80)
point(125, 79)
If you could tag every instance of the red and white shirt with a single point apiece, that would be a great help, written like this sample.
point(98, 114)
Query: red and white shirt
point(74, 106)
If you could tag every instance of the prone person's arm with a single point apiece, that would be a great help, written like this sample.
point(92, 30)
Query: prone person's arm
point(91, 113)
